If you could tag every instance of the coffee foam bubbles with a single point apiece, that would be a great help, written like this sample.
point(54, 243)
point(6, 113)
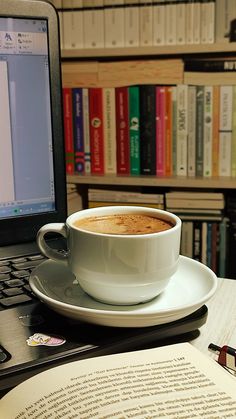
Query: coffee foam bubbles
point(123, 224)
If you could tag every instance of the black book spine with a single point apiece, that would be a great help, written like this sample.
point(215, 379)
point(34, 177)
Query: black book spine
point(148, 129)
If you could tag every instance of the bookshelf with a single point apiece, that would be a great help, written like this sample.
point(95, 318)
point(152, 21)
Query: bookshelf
point(160, 65)
point(165, 50)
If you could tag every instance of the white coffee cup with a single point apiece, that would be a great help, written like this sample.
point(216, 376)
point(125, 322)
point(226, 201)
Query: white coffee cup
point(121, 269)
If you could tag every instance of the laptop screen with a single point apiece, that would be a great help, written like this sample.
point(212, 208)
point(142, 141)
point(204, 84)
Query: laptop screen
point(26, 160)
point(32, 173)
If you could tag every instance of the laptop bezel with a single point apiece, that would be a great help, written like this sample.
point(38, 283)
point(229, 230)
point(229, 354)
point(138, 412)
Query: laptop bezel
point(24, 228)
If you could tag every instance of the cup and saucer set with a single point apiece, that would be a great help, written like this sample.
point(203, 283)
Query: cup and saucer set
point(141, 279)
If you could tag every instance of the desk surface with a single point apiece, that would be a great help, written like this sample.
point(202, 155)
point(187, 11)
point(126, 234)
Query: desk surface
point(220, 327)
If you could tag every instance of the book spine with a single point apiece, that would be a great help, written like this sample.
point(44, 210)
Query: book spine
point(207, 131)
point(225, 136)
point(182, 129)
point(209, 245)
point(131, 23)
point(87, 151)
point(197, 238)
point(114, 24)
point(122, 131)
point(134, 130)
point(223, 247)
point(77, 29)
point(160, 130)
point(204, 243)
point(146, 23)
point(68, 129)
point(233, 145)
point(148, 129)
point(77, 109)
point(189, 21)
point(199, 130)
point(109, 129)
point(197, 22)
point(174, 130)
point(67, 29)
point(214, 256)
point(187, 239)
point(170, 23)
point(93, 19)
point(96, 130)
point(207, 21)
point(215, 131)
point(168, 131)
point(159, 11)
point(191, 130)
point(180, 23)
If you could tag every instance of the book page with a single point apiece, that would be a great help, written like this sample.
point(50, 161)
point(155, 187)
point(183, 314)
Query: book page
point(171, 382)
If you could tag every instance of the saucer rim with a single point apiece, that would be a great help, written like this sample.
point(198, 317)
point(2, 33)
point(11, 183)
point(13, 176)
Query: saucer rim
point(90, 312)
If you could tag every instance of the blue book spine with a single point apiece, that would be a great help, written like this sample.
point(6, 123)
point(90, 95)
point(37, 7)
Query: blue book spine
point(77, 103)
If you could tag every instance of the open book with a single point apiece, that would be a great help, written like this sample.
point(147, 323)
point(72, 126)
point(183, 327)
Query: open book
point(175, 381)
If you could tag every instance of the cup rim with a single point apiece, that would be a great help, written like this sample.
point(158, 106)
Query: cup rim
point(124, 209)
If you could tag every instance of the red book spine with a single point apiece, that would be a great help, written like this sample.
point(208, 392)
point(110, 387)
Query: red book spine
point(160, 130)
point(68, 129)
point(122, 131)
point(96, 130)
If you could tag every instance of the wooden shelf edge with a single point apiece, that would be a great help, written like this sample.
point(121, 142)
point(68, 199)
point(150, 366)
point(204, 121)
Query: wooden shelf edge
point(176, 182)
point(153, 50)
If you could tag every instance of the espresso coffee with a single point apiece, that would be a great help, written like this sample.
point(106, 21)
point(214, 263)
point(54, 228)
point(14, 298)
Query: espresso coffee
point(126, 224)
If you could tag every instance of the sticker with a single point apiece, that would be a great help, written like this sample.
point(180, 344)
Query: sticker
point(40, 339)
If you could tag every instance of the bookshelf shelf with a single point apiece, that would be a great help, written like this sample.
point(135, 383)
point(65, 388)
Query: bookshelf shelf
point(149, 51)
point(169, 182)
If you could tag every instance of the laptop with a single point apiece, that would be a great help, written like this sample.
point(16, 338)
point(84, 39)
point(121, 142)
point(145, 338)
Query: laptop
point(33, 193)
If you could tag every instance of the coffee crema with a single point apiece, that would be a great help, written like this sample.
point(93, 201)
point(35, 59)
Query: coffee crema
point(124, 224)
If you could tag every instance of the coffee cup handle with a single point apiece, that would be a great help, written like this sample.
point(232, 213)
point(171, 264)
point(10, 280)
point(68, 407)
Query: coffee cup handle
point(45, 249)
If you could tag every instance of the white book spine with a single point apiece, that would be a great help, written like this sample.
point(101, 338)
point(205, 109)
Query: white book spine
point(197, 22)
point(225, 127)
point(189, 21)
point(159, 12)
point(171, 24)
point(211, 22)
point(208, 131)
point(192, 131)
point(132, 24)
point(207, 22)
point(94, 27)
point(67, 29)
point(77, 33)
point(87, 151)
point(180, 23)
point(146, 24)
point(182, 129)
point(114, 24)
point(109, 129)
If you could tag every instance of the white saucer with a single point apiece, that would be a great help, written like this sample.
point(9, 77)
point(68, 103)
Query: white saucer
point(191, 286)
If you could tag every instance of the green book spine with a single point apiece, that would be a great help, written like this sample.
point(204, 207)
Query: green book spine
point(134, 130)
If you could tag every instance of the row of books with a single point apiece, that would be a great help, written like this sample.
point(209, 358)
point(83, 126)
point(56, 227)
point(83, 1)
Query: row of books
point(154, 130)
point(205, 229)
point(207, 242)
point(133, 23)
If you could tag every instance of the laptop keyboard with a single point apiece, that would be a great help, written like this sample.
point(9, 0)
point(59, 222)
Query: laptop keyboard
point(14, 280)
